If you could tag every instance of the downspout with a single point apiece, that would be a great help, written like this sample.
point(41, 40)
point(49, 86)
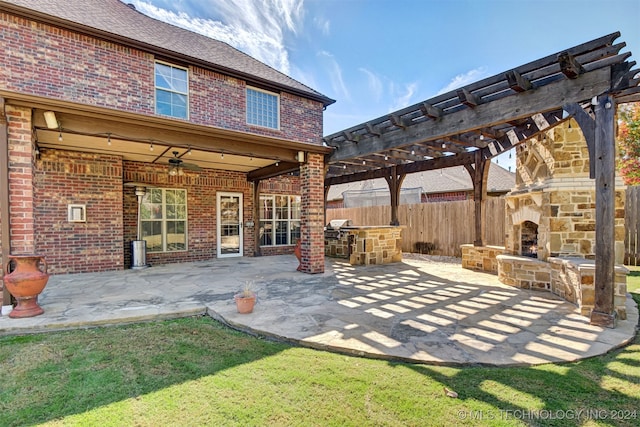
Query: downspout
point(256, 219)
point(4, 196)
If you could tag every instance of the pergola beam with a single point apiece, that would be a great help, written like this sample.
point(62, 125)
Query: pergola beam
point(519, 106)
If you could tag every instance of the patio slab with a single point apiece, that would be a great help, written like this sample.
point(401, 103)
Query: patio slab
point(422, 310)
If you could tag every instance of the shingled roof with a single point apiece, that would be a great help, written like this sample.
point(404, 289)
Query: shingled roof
point(117, 21)
point(454, 179)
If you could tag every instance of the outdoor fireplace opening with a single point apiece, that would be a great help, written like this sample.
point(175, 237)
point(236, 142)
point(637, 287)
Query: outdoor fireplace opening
point(529, 239)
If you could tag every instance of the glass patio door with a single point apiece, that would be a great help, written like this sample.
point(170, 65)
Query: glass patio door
point(229, 224)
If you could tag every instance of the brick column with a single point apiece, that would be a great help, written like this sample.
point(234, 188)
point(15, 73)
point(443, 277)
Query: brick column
point(21, 177)
point(312, 221)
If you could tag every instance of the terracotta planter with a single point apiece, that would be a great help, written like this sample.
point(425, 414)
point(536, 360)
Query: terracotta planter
point(244, 303)
point(25, 283)
point(297, 251)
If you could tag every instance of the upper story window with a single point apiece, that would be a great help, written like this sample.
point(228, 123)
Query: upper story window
point(263, 108)
point(172, 91)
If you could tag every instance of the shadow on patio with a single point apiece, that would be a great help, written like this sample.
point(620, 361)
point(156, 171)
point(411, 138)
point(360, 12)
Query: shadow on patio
point(420, 310)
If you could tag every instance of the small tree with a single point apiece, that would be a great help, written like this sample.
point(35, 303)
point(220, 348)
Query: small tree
point(629, 143)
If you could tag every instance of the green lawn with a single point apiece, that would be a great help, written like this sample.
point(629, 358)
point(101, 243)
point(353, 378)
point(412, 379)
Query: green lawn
point(633, 279)
point(194, 372)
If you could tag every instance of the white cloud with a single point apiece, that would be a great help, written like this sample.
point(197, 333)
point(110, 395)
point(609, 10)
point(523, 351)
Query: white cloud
point(335, 75)
point(374, 83)
point(324, 25)
point(255, 27)
point(402, 97)
point(464, 79)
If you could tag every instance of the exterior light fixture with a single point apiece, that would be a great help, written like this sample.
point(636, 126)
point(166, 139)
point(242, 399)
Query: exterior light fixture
point(175, 170)
point(108, 139)
point(222, 155)
point(151, 147)
point(51, 120)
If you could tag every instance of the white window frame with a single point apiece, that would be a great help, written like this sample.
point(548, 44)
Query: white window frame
point(164, 220)
point(157, 88)
point(250, 106)
point(273, 221)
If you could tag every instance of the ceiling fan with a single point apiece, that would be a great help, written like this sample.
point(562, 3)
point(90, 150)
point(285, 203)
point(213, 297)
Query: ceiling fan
point(177, 166)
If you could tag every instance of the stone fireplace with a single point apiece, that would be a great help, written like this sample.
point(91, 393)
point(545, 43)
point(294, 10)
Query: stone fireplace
point(550, 221)
point(529, 239)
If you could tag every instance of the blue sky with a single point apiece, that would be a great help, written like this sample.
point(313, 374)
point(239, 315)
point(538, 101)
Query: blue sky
point(376, 56)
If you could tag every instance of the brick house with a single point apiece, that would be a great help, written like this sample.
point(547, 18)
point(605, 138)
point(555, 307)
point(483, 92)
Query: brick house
point(98, 101)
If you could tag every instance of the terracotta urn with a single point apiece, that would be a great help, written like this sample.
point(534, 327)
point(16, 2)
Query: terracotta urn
point(25, 282)
point(297, 251)
point(245, 302)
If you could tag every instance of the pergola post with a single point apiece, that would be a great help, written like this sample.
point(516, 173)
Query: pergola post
point(394, 181)
point(600, 137)
point(479, 172)
point(603, 313)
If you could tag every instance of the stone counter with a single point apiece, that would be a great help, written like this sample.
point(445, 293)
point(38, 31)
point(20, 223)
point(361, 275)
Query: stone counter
point(364, 245)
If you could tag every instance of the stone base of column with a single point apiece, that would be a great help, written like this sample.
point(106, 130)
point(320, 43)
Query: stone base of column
point(605, 320)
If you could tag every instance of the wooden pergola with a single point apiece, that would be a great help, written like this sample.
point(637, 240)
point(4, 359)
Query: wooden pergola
point(470, 126)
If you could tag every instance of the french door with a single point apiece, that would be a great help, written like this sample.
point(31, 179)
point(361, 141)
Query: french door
point(229, 227)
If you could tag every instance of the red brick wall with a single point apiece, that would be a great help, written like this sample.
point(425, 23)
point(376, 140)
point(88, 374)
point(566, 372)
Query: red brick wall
point(202, 188)
point(66, 177)
point(21, 158)
point(312, 227)
point(42, 60)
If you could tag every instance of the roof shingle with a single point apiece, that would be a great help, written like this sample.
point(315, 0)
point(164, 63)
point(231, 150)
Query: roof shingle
point(446, 180)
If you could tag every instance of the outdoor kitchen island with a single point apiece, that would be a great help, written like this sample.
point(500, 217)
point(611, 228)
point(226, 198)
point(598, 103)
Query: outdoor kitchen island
point(363, 245)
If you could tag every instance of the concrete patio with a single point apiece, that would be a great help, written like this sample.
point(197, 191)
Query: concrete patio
point(422, 310)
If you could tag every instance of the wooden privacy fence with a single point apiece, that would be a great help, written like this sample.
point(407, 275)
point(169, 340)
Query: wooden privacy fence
point(632, 227)
point(438, 228)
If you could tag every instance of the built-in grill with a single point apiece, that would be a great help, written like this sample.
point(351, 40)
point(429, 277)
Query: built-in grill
point(337, 242)
point(332, 230)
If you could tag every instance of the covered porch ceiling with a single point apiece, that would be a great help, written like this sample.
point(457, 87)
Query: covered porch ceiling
point(151, 139)
point(486, 118)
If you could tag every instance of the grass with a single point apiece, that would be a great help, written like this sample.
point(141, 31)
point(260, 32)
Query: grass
point(194, 372)
point(633, 279)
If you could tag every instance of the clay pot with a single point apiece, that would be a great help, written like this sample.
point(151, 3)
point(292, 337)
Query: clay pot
point(297, 251)
point(245, 303)
point(25, 282)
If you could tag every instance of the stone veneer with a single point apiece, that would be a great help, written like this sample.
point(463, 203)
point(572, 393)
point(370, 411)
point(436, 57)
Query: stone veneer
point(367, 245)
point(554, 191)
point(481, 258)
point(574, 280)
